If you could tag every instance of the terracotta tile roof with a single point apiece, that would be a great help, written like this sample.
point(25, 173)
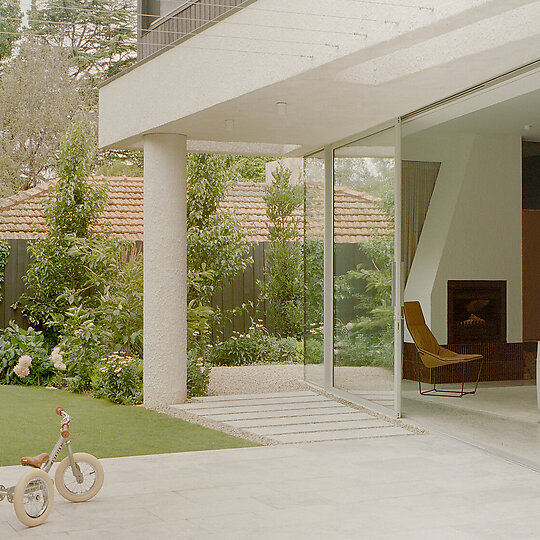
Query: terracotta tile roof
point(22, 215)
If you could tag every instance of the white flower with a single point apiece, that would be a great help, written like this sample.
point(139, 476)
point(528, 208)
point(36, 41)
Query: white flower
point(22, 369)
point(57, 358)
point(25, 360)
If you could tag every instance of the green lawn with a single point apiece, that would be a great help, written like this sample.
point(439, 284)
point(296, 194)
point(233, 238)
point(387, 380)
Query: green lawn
point(29, 426)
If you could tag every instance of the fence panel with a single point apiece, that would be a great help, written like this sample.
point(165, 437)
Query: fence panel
point(244, 289)
point(13, 286)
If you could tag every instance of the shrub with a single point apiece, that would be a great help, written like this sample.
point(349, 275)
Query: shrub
point(283, 289)
point(198, 375)
point(26, 359)
point(119, 378)
point(368, 339)
point(110, 322)
point(255, 347)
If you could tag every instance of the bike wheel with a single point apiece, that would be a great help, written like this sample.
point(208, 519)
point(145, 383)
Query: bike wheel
point(92, 478)
point(33, 497)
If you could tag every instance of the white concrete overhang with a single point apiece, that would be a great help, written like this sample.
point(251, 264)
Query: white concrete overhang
point(313, 56)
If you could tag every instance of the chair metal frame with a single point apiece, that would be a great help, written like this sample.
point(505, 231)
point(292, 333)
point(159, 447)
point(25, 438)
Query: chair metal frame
point(434, 391)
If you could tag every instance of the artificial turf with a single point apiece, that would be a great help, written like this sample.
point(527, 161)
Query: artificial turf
point(29, 426)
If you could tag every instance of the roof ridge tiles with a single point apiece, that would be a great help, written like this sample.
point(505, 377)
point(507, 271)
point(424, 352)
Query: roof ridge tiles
point(356, 214)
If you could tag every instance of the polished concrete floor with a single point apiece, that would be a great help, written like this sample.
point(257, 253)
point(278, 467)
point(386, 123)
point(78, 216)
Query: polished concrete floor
point(502, 417)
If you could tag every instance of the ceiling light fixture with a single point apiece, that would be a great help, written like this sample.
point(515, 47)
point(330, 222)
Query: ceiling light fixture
point(281, 107)
point(527, 127)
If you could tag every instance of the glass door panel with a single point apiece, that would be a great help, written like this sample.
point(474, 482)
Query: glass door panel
point(314, 177)
point(364, 176)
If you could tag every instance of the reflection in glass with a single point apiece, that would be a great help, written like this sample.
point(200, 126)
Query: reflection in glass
point(363, 255)
point(313, 269)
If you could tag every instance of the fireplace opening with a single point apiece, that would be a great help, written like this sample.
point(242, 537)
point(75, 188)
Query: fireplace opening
point(476, 311)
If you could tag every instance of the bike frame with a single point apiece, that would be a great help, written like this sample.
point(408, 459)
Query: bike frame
point(64, 440)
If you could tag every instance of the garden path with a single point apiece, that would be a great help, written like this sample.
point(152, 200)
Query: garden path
point(291, 417)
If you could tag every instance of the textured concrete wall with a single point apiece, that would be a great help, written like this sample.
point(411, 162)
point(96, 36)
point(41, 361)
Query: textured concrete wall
point(165, 263)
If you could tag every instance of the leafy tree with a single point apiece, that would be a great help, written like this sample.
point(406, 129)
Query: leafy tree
point(251, 168)
point(37, 101)
point(283, 290)
point(10, 26)
point(56, 268)
point(215, 243)
point(98, 37)
point(371, 175)
point(98, 34)
point(77, 204)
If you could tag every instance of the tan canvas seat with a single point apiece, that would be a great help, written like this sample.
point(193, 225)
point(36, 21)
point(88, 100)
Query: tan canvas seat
point(432, 355)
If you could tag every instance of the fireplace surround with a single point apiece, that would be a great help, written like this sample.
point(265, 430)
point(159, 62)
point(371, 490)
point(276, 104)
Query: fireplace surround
point(476, 311)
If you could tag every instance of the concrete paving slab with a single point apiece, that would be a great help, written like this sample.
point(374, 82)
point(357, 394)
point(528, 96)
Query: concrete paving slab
point(289, 420)
point(333, 435)
point(235, 397)
point(291, 416)
point(329, 404)
point(225, 417)
point(251, 402)
point(321, 426)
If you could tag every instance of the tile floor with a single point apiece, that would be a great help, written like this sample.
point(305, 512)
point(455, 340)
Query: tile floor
point(415, 487)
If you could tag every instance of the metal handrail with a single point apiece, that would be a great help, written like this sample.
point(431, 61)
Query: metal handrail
point(174, 13)
point(184, 22)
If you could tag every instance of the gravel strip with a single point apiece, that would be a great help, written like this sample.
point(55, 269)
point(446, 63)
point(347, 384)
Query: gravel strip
point(218, 426)
point(263, 379)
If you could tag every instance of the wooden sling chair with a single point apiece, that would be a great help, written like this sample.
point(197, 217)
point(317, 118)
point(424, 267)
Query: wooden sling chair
point(433, 356)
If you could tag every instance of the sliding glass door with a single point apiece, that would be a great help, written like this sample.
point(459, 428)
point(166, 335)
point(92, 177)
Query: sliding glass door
point(364, 230)
point(314, 181)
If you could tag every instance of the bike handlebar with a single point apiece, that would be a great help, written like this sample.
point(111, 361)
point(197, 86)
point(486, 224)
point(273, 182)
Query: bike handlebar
point(66, 419)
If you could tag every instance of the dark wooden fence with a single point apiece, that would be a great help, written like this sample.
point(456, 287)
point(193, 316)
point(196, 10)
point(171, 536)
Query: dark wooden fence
point(244, 288)
point(13, 285)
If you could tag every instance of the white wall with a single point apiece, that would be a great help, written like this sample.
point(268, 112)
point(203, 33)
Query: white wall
point(473, 225)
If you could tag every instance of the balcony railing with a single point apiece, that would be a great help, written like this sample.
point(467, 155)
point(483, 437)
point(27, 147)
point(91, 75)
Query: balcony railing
point(183, 22)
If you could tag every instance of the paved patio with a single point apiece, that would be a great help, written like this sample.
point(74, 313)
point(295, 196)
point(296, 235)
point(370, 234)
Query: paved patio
point(420, 486)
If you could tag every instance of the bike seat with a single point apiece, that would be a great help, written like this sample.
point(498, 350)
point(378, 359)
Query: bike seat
point(36, 461)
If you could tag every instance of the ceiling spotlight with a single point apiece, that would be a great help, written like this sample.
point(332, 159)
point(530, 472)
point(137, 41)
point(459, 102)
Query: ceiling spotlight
point(281, 107)
point(229, 125)
point(527, 127)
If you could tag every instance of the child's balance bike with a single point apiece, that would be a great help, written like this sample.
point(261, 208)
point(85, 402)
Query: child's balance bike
point(78, 478)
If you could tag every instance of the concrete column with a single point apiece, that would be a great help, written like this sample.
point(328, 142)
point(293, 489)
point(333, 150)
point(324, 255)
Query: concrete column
point(165, 270)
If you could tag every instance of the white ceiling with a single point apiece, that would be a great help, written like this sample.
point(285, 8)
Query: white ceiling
point(350, 84)
point(506, 118)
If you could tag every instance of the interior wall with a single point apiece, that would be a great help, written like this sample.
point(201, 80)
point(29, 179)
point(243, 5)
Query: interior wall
point(473, 225)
